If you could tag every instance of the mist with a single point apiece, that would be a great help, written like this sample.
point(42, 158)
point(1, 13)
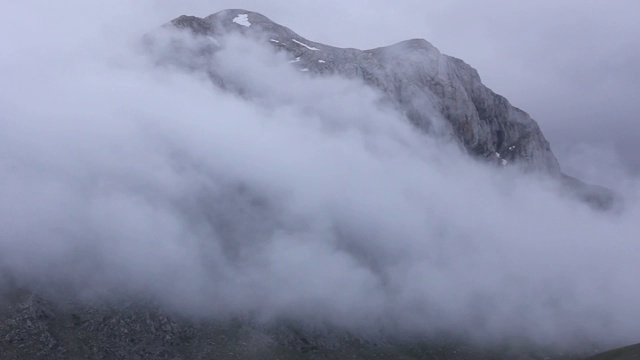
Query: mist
point(304, 198)
point(572, 65)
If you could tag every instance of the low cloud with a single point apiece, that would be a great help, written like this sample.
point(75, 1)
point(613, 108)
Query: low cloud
point(304, 198)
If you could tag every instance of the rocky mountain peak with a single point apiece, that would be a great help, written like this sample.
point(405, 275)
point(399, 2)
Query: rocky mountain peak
point(427, 86)
point(435, 92)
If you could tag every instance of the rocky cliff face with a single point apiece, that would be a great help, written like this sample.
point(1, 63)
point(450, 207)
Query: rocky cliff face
point(439, 94)
point(436, 92)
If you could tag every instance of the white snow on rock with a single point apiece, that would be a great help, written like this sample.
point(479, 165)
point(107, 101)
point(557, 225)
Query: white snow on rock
point(242, 19)
point(304, 70)
point(321, 61)
point(504, 162)
point(296, 60)
point(512, 147)
point(305, 45)
point(274, 40)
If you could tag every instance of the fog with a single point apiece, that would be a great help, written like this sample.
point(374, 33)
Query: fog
point(305, 199)
point(572, 65)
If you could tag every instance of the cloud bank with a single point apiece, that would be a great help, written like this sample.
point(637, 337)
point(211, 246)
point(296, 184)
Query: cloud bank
point(303, 199)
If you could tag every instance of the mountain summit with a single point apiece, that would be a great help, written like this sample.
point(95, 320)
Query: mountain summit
point(426, 85)
point(435, 92)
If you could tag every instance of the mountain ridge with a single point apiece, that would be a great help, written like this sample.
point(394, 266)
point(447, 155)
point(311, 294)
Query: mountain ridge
point(428, 87)
point(485, 124)
point(414, 75)
point(434, 91)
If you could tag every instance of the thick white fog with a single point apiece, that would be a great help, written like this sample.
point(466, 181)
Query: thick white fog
point(310, 201)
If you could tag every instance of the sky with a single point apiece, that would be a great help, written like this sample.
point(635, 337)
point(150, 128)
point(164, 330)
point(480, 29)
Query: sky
point(306, 199)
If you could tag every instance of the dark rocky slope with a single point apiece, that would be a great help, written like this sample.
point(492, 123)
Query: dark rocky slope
point(34, 328)
point(631, 352)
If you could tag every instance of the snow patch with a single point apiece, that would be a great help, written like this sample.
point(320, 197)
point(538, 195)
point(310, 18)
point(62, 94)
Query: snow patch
point(504, 162)
point(304, 70)
point(295, 61)
point(242, 19)
point(321, 61)
point(305, 45)
point(512, 147)
point(274, 40)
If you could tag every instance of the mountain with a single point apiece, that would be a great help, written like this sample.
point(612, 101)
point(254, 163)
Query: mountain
point(437, 93)
point(422, 83)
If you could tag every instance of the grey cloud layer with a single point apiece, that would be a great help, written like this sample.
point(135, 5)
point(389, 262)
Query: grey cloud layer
point(308, 202)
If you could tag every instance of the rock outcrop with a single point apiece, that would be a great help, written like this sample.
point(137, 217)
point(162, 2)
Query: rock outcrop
point(436, 92)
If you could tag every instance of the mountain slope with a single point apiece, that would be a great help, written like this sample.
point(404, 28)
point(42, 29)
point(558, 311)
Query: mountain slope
point(436, 92)
point(631, 352)
point(34, 328)
point(439, 94)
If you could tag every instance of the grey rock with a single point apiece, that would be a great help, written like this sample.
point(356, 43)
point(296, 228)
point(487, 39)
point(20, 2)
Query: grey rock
point(436, 92)
point(439, 94)
point(32, 327)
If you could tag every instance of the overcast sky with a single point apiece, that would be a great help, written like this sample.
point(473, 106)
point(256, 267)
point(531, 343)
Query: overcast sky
point(307, 199)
